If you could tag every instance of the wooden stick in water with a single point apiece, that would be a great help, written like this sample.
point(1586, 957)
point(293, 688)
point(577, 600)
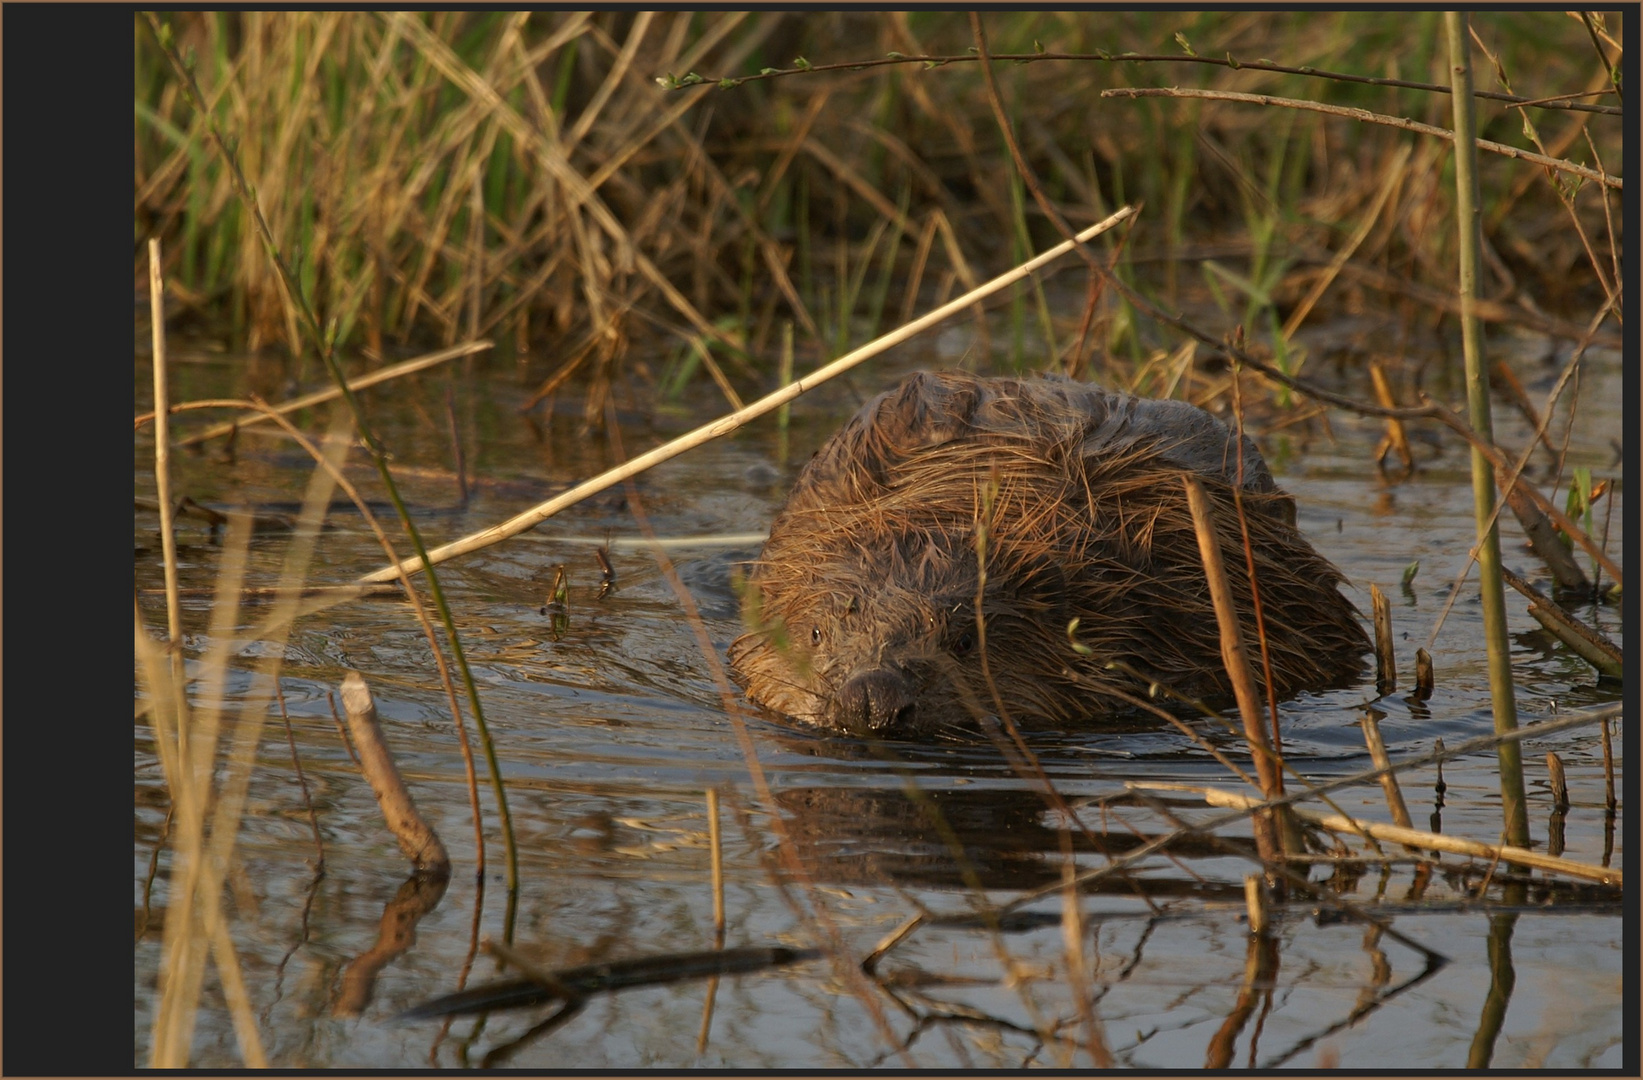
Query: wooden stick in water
point(1588, 644)
point(1389, 782)
point(1386, 666)
point(1560, 782)
point(1270, 832)
point(1423, 675)
point(417, 838)
point(1609, 802)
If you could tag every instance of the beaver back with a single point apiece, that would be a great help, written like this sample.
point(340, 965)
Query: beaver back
point(863, 603)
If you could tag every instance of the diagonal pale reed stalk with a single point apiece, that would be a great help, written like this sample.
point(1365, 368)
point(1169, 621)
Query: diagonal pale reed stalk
point(726, 424)
point(1419, 839)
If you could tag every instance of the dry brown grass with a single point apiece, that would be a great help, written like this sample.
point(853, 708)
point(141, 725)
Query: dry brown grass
point(443, 174)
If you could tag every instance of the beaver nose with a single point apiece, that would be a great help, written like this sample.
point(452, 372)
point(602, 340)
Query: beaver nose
point(874, 702)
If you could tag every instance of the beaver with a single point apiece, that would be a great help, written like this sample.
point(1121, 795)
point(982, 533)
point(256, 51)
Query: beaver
point(862, 605)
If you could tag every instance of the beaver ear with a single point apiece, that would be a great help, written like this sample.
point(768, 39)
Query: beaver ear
point(929, 408)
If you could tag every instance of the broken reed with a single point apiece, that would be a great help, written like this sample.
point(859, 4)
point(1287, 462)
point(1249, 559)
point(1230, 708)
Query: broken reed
point(524, 176)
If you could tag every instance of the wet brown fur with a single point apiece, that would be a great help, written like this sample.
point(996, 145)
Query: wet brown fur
point(864, 596)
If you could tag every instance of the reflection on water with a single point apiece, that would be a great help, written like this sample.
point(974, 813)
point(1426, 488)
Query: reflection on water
point(610, 732)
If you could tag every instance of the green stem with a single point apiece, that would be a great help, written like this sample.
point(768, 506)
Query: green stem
point(1477, 398)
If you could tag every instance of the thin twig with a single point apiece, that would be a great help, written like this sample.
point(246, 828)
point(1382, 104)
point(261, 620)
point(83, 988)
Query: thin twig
point(1133, 58)
point(307, 400)
point(1025, 171)
point(1367, 117)
point(302, 781)
point(1270, 832)
point(1614, 83)
point(717, 872)
point(1256, 607)
point(1394, 175)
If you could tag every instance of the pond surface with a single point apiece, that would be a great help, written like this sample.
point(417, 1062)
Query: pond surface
point(610, 733)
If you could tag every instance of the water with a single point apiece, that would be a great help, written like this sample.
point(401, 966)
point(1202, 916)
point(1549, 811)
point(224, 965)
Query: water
point(610, 732)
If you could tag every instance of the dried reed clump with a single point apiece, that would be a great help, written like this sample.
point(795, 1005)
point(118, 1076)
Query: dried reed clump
point(443, 175)
point(865, 593)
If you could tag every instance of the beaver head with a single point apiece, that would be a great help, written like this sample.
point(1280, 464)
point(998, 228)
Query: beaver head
point(881, 636)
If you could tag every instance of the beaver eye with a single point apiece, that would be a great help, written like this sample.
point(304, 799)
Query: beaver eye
point(815, 635)
point(964, 643)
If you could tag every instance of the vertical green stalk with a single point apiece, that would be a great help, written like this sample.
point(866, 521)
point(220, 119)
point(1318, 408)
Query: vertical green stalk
point(1477, 399)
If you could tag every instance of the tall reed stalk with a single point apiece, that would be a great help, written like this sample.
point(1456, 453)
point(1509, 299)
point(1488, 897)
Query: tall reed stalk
point(1469, 214)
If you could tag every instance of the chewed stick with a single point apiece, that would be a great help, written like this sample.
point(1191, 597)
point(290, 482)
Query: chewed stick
point(417, 838)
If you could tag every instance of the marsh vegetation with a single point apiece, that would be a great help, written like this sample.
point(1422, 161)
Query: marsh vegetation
point(600, 230)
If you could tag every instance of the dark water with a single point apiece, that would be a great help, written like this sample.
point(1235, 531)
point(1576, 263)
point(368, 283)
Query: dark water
point(610, 733)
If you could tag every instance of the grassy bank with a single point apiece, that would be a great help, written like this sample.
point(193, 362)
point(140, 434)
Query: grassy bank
point(561, 182)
